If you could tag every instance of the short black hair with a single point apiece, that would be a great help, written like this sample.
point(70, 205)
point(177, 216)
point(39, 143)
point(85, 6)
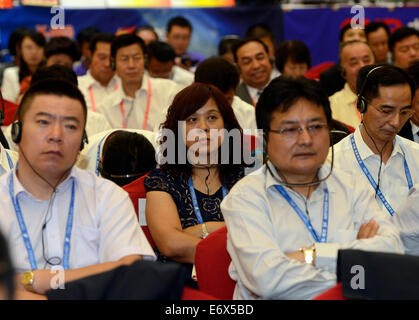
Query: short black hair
point(178, 21)
point(226, 43)
point(51, 86)
point(161, 51)
point(294, 50)
point(86, 34)
point(55, 71)
point(218, 72)
point(283, 92)
point(401, 33)
point(258, 31)
point(374, 26)
point(413, 72)
point(15, 38)
point(125, 40)
point(243, 42)
point(65, 45)
point(385, 75)
point(124, 153)
point(100, 37)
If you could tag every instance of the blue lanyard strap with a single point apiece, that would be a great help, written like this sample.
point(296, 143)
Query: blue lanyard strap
point(195, 201)
point(98, 156)
point(25, 234)
point(9, 159)
point(305, 219)
point(372, 181)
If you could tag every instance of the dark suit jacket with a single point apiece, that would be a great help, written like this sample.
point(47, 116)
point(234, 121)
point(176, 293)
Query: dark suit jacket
point(243, 93)
point(406, 131)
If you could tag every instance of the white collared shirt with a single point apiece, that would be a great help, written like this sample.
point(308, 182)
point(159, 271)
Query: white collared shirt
point(415, 131)
point(5, 157)
point(161, 96)
point(255, 93)
point(245, 113)
point(343, 105)
point(10, 86)
point(263, 227)
point(181, 76)
point(94, 93)
point(90, 155)
point(393, 182)
point(104, 229)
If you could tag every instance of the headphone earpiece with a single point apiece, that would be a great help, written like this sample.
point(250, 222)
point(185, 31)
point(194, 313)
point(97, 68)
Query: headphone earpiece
point(361, 104)
point(84, 140)
point(112, 64)
point(16, 132)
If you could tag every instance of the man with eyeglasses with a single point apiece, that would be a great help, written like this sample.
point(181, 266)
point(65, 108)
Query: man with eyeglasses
point(375, 153)
point(287, 220)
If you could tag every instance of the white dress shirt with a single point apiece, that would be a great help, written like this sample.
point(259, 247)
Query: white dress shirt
point(181, 76)
point(90, 155)
point(343, 105)
point(263, 227)
point(393, 182)
point(94, 93)
point(8, 160)
point(245, 113)
point(96, 123)
point(10, 86)
point(161, 95)
point(104, 229)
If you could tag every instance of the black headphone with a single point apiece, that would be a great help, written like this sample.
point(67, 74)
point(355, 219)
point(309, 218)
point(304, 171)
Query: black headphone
point(2, 111)
point(16, 131)
point(362, 103)
point(112, 64)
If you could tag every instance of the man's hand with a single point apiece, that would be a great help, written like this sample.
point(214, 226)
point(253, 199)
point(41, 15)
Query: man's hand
point(368, 230)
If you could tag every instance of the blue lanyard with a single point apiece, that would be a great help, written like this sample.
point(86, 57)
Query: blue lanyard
point(98, 155)
point(372, 181)
point(305, 219)
point(25, 235)
point(9, 160)
point(195, 201)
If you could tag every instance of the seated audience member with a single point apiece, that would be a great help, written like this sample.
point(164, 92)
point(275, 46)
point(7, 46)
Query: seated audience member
point(90, 156)
point(83, 38)
point(161, 64)
point(375, 153)
point(252, 59)
point(141, 102)
point(126, 157)
point(286, 224)
point(7, 286)
point(178, 35)
point(31, 48)
point(404, 46)
point(264, 32)
point(331, 79)
point(225, 47)
point(378, 34)
point(411, 129)
point(353, 56)
point(95, 122)
point(293, 58)
point(62, 51)
point(183, 197)
point(147, 33)
point(100, 80)
point(36, 196)
point(223, 75)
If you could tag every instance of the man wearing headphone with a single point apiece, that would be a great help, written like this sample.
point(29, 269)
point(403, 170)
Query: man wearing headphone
point(53, 214)
point(375, 153)
point(100, 79)
point(353, 56)
point(287, 220)
point(141, 102)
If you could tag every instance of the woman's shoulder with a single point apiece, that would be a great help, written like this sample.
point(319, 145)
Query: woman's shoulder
point(162, 180)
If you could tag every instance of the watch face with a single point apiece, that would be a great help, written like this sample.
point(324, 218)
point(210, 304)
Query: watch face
point(27, 277)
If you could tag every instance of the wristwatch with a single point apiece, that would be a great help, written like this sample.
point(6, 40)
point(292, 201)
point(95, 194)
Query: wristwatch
point(309, 254)
point(27, 281)
point(205, 232)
